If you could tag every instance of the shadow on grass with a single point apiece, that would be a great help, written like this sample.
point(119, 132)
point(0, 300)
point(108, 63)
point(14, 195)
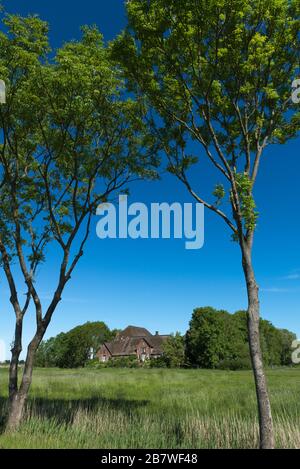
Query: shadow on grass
point(63, 411)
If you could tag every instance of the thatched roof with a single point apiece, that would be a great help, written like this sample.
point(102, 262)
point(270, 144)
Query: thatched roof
point(126, 341)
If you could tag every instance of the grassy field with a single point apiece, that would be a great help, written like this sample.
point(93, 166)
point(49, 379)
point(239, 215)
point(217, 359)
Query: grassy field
point(118, 408)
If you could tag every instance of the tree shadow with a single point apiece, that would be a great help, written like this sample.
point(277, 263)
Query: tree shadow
point(63, 411)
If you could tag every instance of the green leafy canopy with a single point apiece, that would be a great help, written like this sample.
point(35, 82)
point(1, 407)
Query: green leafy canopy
point(218, 73)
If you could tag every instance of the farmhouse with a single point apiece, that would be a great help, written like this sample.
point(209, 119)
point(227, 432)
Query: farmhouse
point(133, 341)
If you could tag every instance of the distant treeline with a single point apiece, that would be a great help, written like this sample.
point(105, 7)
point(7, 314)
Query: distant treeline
point(75, 348)
point(215, 339)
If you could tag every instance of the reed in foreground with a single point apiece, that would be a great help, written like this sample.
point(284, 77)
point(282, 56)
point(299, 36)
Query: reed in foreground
point(118, 408)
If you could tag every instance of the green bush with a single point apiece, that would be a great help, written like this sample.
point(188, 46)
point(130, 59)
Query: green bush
point(235, 364)
point(159, 362)
point(128, 362)
point(123, 362)
point(95, 364)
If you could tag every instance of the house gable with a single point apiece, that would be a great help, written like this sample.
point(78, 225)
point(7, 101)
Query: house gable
point(133, 341)
point(103, 354)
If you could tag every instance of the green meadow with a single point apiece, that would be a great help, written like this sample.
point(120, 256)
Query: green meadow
point(151, 408)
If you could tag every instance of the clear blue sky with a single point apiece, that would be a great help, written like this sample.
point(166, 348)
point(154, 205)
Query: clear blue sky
point(157, 283)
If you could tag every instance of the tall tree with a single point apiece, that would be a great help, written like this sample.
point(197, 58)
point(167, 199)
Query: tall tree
point(218, 339)
point(213, 337)
point(174, 353)
point(70, 141)
point(218, 73)
point(74, 348)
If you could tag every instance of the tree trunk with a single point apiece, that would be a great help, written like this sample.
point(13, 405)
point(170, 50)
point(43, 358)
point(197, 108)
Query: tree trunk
point(16, 411)
point(264, 407)
point(19, 397)
point(16, 403)
point(15, 355)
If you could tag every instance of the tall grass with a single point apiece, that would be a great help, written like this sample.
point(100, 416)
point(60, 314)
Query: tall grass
point(117, 408)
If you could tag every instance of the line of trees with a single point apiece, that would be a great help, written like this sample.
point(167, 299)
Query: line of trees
point(214, 340)
point(74, 348)
point(217, 339)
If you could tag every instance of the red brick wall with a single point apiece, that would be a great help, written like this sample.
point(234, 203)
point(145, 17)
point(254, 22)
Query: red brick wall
point(143, 349)
point(103, 354)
